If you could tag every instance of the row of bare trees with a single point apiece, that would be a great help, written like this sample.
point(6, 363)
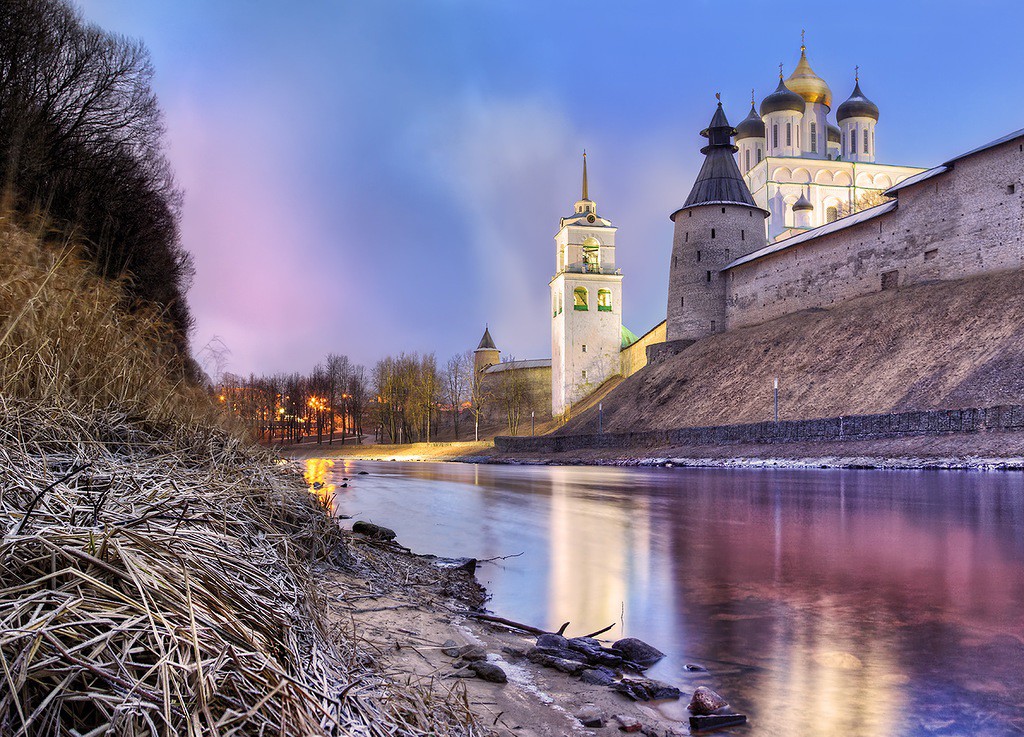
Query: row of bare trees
point(330, 403)
point(417, 400)
point(406, 398)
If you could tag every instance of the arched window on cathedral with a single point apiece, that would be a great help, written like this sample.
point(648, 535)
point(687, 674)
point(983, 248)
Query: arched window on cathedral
point(559, 303)
point(747, 159)
point(831, 214)
point(865, 140)
point(579, 299)
point(789, 134)
point(775, 135)
point(758, 154)
point(814, 137)
point(604, 300)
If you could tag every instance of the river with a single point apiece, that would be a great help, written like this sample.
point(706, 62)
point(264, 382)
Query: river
point(855, 603)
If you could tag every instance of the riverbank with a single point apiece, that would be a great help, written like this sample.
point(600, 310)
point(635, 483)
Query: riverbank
point(465, 451)
point(980, 451)
point(418, 613)
point(158, 577)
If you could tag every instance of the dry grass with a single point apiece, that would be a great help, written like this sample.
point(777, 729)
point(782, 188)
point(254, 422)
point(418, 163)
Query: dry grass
point(162, 585)
point(157, 574)
point(67, 339)
point(953, 344)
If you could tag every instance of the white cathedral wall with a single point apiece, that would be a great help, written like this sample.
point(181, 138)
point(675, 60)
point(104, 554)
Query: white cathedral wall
point(782, 119)
point(816, 113)
point(600, 333)
point(557, 345)
point(855, 128)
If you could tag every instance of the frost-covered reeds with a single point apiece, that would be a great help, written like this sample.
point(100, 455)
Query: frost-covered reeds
point(158, 575)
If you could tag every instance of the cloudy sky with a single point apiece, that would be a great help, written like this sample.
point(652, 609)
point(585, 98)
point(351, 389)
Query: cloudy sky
point(375, 176)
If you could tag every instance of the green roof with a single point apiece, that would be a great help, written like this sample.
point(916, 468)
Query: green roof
point(628, 338)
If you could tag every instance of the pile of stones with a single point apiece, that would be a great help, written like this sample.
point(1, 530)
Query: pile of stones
point(588, 659)
point(471, 661)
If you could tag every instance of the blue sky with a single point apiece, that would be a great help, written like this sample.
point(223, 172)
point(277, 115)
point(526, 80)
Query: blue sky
point(384, 176)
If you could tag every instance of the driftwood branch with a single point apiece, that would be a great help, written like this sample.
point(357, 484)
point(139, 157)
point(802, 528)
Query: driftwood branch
point(512, 624)
point(499, 557)
point(600, 631)
point(506, 622)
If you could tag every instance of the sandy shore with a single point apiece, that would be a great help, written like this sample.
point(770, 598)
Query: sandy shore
point(407, 608)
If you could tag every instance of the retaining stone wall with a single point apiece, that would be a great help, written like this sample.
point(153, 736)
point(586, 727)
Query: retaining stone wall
point(832, 429)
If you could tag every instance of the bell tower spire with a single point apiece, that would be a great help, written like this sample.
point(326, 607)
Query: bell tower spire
point(586, 196)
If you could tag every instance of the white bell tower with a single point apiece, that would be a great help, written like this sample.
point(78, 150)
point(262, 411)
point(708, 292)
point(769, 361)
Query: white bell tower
point(586, 305)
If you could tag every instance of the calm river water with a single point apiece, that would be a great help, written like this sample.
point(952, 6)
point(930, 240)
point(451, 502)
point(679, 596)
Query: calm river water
point(821, 602)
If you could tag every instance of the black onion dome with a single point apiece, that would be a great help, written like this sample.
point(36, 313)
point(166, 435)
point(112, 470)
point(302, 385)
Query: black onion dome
point(802, 204)
point(751, 126)
point(857, 106)
point(834, 134)
point(781, 100)
point(719, 180)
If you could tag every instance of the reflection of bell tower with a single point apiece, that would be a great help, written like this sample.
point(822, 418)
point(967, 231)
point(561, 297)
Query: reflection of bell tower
point(486, 354)
point(586, 305)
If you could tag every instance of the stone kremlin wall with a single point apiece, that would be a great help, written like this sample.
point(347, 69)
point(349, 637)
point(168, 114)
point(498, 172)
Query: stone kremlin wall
point(959, 223)
point(861, 427)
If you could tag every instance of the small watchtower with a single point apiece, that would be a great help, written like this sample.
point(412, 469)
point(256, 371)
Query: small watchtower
point(486, 354)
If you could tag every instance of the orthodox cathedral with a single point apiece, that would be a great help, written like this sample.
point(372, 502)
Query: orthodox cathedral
point(789, 211)
point(802, 168)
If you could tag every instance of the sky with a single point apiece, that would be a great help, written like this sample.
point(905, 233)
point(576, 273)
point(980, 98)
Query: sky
point(375, 176)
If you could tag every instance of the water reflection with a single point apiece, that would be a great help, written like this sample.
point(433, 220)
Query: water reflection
point(316, 476)
point(855, 603)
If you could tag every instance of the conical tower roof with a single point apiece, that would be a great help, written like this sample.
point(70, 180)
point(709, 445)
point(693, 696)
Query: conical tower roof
point(719, 180)
point(486, 342)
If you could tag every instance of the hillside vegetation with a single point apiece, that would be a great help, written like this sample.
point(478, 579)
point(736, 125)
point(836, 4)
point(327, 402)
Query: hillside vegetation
point(68, 339)
point(82, 138)
point(952, 344)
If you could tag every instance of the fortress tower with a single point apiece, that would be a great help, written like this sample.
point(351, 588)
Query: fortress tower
point(718, 223)
point(586, 305)
point(486, 354)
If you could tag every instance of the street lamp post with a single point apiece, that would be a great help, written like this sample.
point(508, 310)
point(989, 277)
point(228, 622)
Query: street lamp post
point(776, 399)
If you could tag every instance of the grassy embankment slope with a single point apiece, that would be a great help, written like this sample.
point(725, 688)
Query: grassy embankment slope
point(953, 344)
point(158, 574)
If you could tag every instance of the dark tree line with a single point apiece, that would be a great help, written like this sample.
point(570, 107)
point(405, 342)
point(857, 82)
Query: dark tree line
point(329, 404)
point(81, 140)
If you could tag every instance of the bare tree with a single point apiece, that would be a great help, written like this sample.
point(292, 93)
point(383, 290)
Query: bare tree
point(871, 198)
point(458, 377)
point(512, 393)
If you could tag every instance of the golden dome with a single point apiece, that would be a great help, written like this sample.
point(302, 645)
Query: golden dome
point(807, 84)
